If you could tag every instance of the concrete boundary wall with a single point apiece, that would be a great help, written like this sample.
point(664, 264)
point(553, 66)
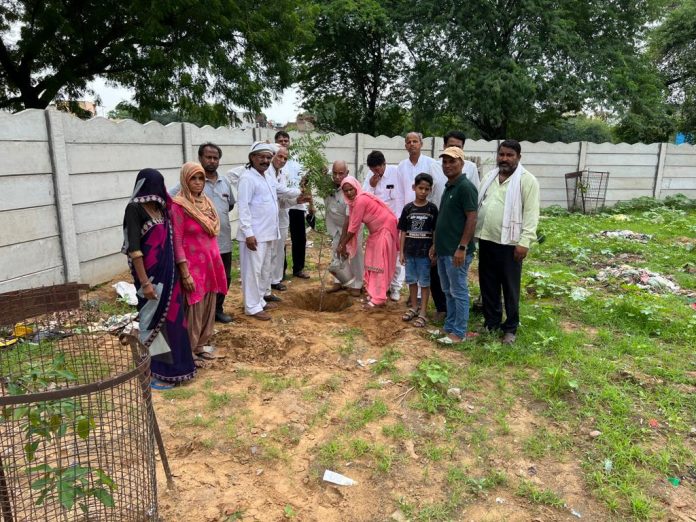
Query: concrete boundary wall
point(65, 182)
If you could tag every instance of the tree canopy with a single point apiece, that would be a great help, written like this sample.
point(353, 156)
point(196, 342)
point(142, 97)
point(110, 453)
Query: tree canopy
point(171, 52)
point(349, 72)
point(673, 44)
point(495, 69)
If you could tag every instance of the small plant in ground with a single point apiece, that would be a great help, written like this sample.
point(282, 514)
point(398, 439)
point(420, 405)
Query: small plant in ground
point(397, 431)
point(48, 422)
point(558, 381)
point(386, 362)
point(289, 512)
point(538, 495)
point(358, 415)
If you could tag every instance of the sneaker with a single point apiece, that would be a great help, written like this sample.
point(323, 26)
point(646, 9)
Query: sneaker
point(509, 338)
point(394, 295)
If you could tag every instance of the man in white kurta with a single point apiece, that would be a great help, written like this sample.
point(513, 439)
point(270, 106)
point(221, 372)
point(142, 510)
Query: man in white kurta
point(408, 169)
point(337, 225)
point(257, 200)
point(277, 171)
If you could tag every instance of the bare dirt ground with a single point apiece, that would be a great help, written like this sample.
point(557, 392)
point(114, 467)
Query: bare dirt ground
point(249, 439)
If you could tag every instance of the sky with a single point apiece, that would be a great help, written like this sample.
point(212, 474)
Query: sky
point(282, 111)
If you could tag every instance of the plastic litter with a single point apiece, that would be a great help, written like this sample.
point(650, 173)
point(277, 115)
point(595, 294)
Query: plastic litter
point(645, 279)
point(674, 481)
point(624, 234)
point(579, 294)
point(368, 362)
point(338, 479)
point(608, 465)
point(126, 291)
point(653, 423)
point(499, 500)
point(575, 513)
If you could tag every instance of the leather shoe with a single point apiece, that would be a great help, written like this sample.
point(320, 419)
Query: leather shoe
point(335, 288)
point(262, 316)
point(280, 287)
point(222, 317)
point(301, 275)
point(509, 338)
point(270, 298)
point(270, 306)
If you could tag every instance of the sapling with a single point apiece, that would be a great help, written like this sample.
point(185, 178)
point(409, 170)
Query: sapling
point(46, 422)
point(309, 151)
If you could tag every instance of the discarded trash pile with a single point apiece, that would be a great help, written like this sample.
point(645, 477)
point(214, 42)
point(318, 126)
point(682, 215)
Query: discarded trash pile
point(645, 279)
point(624, 234)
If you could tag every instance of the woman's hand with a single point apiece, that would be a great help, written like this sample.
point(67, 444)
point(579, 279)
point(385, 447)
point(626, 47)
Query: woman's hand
point(188, 284)
point(149, 291)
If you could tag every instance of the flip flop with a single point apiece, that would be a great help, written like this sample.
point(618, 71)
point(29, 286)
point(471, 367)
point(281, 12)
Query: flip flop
point(445, 340)
point(206, 356)
point(156, 384)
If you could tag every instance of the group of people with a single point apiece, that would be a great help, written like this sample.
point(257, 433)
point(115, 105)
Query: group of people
point(424, 219)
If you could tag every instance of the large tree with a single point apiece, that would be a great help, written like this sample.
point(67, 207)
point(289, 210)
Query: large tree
point(171, 52)
point(349, 73)
point(504, 66)
point(673, 44)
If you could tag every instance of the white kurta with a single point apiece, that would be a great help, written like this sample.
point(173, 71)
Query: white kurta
point(278, 249)
point(336, 215)
point(293, 176)
point(257, 203)
point(407, 173)
point(386, 188)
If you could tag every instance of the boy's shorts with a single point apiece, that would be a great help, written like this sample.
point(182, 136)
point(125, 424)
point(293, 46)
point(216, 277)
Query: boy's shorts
point(418, 271)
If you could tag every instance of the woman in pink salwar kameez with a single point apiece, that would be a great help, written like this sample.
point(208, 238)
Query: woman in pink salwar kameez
point(381, 247)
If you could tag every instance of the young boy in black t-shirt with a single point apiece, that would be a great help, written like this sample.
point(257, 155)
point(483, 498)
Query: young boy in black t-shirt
point(416, 227)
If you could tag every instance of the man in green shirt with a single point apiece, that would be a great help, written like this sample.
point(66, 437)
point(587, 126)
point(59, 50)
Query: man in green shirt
point(508, 214)
point(453, 245)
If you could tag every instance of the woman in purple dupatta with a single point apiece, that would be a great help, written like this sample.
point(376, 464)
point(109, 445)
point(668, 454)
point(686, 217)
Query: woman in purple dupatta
point(147, 233)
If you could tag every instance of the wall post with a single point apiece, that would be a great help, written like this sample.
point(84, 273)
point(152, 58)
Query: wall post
point(582, 156)
point(62, 195)
point(359, 153)
point(659, 171)
point(186, 139)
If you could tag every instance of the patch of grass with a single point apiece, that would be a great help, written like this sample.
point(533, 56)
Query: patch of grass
point(329, 453)
point(274, 383)
point(397, 431)
point(179, 392)
point(116, 307)
point(537, 495)
point(386, 362)
point(287, 435)
point(217, 401)
point(544, 442)
point(359, 414)
point(320, 414)
point(349, 336)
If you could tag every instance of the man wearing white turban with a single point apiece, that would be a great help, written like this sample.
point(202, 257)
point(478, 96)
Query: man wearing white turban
point(257, 202)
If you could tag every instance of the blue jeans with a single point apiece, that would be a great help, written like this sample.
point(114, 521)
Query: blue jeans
point(455, 285)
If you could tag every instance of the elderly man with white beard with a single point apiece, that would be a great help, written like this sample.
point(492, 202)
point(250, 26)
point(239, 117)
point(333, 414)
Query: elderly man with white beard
point(337, 225)
point(257, 202)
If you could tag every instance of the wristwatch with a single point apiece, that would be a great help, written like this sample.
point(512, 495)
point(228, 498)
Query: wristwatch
point(461, 247)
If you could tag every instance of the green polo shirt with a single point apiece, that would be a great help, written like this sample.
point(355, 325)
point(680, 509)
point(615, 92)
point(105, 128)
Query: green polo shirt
point(460, 196)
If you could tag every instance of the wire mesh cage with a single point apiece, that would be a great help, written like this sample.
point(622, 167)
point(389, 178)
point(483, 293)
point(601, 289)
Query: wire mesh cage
point(586, 190)
point(76, 418)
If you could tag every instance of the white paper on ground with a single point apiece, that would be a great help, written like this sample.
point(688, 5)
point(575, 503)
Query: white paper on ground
point(337, 478)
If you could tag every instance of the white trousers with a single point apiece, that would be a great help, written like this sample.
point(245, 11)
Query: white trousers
point(256, 275)
point(356, 263)
point(399, 277)
point(278, 257)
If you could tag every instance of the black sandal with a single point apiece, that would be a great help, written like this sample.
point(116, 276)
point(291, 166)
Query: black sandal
point(410, 314)
point(420, 321)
